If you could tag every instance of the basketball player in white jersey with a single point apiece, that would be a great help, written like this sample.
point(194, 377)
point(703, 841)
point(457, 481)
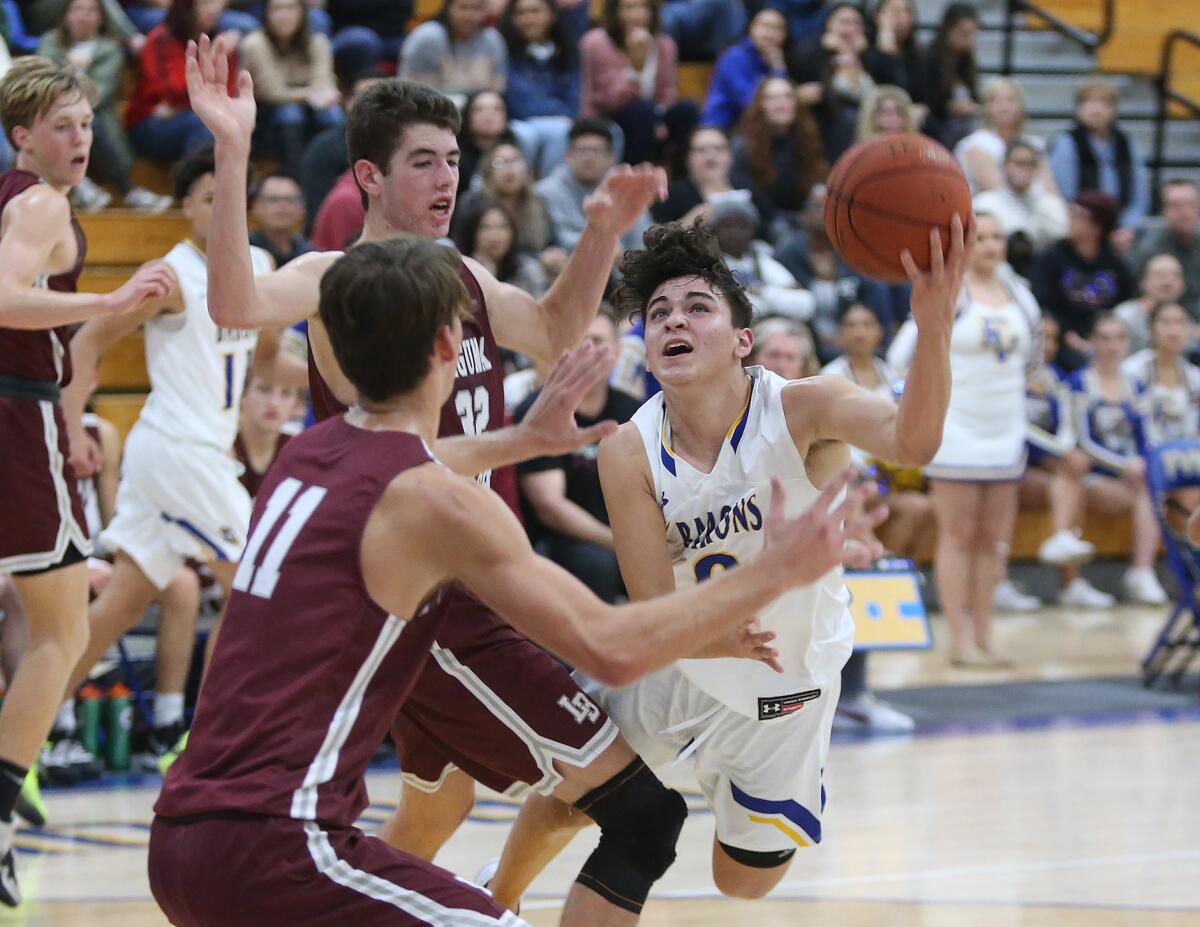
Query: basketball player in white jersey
point(692, 472)
point(179, 496)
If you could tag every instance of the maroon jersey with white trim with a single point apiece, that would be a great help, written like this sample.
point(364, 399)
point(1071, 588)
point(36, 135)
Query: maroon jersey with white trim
point(39, 354)
point(476, 406)
point(308, 671)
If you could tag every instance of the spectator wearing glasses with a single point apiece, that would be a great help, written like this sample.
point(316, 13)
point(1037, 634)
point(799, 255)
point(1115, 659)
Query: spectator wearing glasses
point(278, 209)
point(706, 183)
point(589, 157)
point(504, 178)
point(1022, 204)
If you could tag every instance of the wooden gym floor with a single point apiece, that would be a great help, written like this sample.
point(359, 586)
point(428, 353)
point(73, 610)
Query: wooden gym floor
point(1067, 824)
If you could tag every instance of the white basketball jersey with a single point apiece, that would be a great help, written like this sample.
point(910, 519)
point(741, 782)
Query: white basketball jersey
point(197, 369)
point(715, 520)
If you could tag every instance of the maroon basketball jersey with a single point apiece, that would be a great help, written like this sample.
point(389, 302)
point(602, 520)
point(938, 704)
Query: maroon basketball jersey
point(39, 355)
point(475, 406)
point(252, 479)
point(308, 671)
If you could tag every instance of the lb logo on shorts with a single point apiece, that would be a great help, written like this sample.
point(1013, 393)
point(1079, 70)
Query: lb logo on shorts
point(781, 705)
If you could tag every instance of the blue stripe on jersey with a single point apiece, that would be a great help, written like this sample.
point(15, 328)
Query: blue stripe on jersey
point(196, 533)
point(792, 810)
point(738, 428)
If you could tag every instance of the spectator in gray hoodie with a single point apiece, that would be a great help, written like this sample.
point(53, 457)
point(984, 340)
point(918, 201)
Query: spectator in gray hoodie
point(589, 157)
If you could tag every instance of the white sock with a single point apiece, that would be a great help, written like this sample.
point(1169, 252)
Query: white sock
point(168, 708)
point(65, 719)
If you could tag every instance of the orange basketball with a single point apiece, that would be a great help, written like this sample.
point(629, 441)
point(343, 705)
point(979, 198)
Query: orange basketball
point(885, 194)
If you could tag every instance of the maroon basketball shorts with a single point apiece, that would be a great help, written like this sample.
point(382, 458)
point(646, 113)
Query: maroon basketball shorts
point(42, 524)
point(502, 712)
point(251, 871)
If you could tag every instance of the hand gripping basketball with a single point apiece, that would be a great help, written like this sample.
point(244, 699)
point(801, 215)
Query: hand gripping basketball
point(884, 195)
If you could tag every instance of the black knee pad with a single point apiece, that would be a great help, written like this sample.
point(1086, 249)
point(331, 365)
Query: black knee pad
point(640, 820)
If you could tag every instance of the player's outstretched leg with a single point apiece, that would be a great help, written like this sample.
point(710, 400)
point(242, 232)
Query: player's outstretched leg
point(55, 605)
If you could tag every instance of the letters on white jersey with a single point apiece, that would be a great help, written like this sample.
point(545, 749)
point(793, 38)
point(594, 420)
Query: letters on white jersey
point(715, 520)
point(197, 369)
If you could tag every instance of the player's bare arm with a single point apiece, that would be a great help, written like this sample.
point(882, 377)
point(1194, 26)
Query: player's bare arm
point(543, 329)
point(908, 433)
point(89, 344)
point(36, 239)
point(635, 516)
point(444, 527)
point(236, 299)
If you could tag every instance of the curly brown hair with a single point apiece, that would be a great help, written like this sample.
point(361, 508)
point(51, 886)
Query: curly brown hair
point(674, 250)
point(757, 134)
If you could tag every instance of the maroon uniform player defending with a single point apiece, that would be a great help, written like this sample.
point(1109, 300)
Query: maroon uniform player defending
point(491, 705)
point(47, 115)
point(255, 822)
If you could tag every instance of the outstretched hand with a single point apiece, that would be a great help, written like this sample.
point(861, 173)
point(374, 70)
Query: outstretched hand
point(230, 117)
point(623, 197)
point(824, 536)
point(550, 425)
point(935, 291)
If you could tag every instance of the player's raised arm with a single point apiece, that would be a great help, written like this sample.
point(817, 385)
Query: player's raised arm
point(440, 525)
point(543, 329)
point(236, 298)
point(909, 433)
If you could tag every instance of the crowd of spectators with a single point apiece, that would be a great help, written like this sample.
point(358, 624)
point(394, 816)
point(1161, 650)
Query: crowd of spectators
point(1089, 303)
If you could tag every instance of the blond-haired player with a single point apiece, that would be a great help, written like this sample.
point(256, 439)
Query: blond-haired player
point(47, 115)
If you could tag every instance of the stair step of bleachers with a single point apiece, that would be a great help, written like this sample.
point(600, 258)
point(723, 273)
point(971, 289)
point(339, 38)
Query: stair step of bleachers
point(122, 409)
point(106, 278)
point(692, 80)
point(122, 237)
point(123, 366)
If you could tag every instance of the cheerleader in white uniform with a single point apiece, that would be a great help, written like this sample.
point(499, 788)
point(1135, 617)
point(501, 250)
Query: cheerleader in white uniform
point(1108, 421)
point(975, 474)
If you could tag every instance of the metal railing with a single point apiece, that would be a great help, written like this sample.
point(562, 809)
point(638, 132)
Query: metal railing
point(1089, 40)
point(1167, 95)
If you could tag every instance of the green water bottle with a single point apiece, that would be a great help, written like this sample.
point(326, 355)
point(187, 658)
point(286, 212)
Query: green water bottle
point(91, 701)
point(119, 722)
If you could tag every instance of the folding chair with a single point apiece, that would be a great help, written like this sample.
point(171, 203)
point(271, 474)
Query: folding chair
point(1171, 466)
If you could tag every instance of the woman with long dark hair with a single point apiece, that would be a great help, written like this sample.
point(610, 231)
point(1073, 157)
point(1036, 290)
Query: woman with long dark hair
point(489, 235)
point(159, 116)
point(504, 178)
point(777, 153)
point(629, 69)
point(292, 67)
point(952, 75)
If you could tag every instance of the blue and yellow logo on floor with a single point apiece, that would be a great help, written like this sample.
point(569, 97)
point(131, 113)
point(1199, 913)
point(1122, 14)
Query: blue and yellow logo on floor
point(888, 611)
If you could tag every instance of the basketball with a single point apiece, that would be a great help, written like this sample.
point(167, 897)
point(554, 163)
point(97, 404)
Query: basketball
point(885, 194)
